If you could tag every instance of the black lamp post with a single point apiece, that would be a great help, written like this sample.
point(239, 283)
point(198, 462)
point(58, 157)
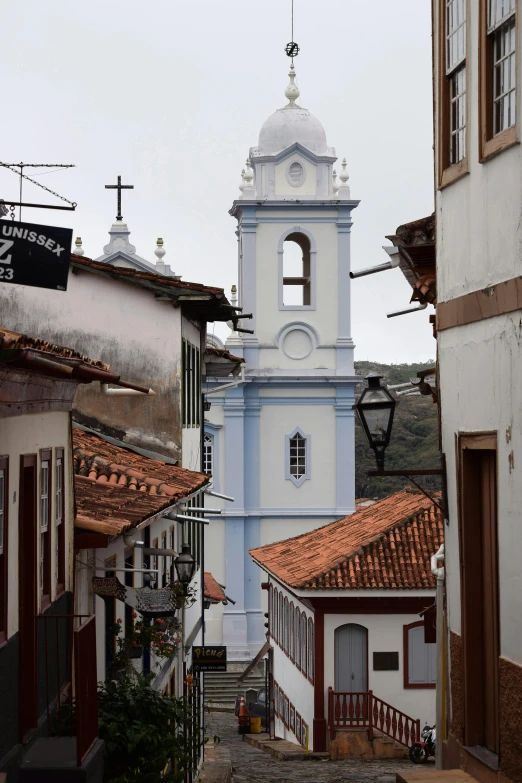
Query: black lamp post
point(376, 407)
point(185, 566)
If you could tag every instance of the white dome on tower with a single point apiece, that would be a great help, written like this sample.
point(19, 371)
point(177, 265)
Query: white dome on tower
point(291, 124)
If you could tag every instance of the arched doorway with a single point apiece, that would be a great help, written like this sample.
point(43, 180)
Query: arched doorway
point(351, 658)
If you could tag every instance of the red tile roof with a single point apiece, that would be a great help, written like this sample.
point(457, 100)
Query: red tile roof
point(213, 592)
point(40, 356)
point(12, 341)
point(152, 277)
point(387, 545)
point(116, 489)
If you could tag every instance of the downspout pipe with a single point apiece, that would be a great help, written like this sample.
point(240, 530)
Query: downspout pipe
point(439, 572)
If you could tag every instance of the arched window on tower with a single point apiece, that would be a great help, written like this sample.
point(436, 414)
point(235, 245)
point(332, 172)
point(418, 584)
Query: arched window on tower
point(297, 280)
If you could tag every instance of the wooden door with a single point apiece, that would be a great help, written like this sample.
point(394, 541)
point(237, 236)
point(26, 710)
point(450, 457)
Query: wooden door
point(28, 607)
point(351, 658)
point(480, 591)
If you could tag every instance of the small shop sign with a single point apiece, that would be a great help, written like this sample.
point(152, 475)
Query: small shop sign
point(209, 658)
point(34, 255)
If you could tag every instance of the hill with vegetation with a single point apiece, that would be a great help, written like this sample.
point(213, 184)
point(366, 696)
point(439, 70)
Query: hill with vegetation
point(414, 441)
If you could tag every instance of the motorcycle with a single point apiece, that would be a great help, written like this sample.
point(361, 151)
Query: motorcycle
point(421, 751)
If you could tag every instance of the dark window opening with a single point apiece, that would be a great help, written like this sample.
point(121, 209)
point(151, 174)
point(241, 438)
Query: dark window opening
point(296, 270)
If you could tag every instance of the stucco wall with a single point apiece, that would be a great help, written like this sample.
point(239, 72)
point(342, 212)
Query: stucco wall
point(27, 435)
point(290, 679)
point(318, 422)
point(487, 356)
point(282, 186)
point(385, 634)
point(479, 231)
point(269, 319)
point(124, 326)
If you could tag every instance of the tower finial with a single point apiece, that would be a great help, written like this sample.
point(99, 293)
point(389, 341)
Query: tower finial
point(292, 91)
point(78, 249)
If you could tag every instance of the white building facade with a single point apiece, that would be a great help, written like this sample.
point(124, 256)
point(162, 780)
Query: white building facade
point(283, 439)
point(479, 319)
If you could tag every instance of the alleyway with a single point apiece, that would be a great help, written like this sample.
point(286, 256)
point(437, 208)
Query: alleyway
point(251, 765)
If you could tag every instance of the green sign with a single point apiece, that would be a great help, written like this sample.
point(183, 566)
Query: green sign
point(210, 658)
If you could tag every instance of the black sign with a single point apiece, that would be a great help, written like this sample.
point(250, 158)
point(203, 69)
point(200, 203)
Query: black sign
point(209, 658)
point(34, 255)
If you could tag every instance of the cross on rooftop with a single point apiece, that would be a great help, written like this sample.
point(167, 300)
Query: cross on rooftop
point(119, 187)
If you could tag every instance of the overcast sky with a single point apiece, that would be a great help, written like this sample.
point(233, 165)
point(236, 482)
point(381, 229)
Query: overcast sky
point(172, 94)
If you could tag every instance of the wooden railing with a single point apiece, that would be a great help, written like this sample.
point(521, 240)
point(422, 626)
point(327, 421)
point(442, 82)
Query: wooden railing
point(364, 710)
point(86, 685)
point(68, 638)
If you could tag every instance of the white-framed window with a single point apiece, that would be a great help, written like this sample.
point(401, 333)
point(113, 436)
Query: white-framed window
point(297, 457)
point(304, 639)
point(455, 36)
point(420, 659)
point(501, 28)
point(190, 384)
point(208, 453)
point(59, 542)
point(45, 531)
point(310, 649)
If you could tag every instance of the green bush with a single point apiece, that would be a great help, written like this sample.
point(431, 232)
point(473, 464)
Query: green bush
point(142, 730)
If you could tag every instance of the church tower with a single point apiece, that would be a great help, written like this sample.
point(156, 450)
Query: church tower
point(282, 441)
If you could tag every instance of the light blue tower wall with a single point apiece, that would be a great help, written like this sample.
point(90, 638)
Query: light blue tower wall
point(299, 377)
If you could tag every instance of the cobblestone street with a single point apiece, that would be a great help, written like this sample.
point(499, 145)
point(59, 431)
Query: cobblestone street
point(251, 765)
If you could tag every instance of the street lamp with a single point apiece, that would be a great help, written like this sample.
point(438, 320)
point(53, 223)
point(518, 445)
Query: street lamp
point(185, 566)
point(376, 407)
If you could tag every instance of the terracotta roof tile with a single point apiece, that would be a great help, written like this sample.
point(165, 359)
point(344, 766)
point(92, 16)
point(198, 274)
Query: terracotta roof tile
point(213, 592)
point(387, 545)
point(12, 341)
point(152, 277)
point(116, 489)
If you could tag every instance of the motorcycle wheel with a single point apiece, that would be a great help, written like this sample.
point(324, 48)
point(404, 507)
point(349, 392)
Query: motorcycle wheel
point(418, 754)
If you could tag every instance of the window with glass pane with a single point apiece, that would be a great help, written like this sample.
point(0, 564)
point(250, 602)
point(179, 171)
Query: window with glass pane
point(59, 521)
point(501, 29)
point(45, 554)
point(310, 649)
point(298, 456)
point(208, 445)
point(292, 650)
point(455, 31)
point(297, 639)
point(303, 643)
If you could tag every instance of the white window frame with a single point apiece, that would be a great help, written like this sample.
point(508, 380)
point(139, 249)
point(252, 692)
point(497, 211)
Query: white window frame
point(307, 446)
point(208, 453)
point(502, 18)
point(456, 73)
point(58, 518)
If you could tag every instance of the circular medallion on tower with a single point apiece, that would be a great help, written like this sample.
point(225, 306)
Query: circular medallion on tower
point(297, 340)
point(295, 174)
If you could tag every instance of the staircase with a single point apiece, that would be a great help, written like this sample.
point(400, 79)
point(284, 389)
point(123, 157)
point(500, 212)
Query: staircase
point(363, 726)
point(221, 688)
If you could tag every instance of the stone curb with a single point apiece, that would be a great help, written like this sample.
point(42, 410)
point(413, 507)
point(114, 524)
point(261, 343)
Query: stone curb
point(282, 749)
point(217, 764)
